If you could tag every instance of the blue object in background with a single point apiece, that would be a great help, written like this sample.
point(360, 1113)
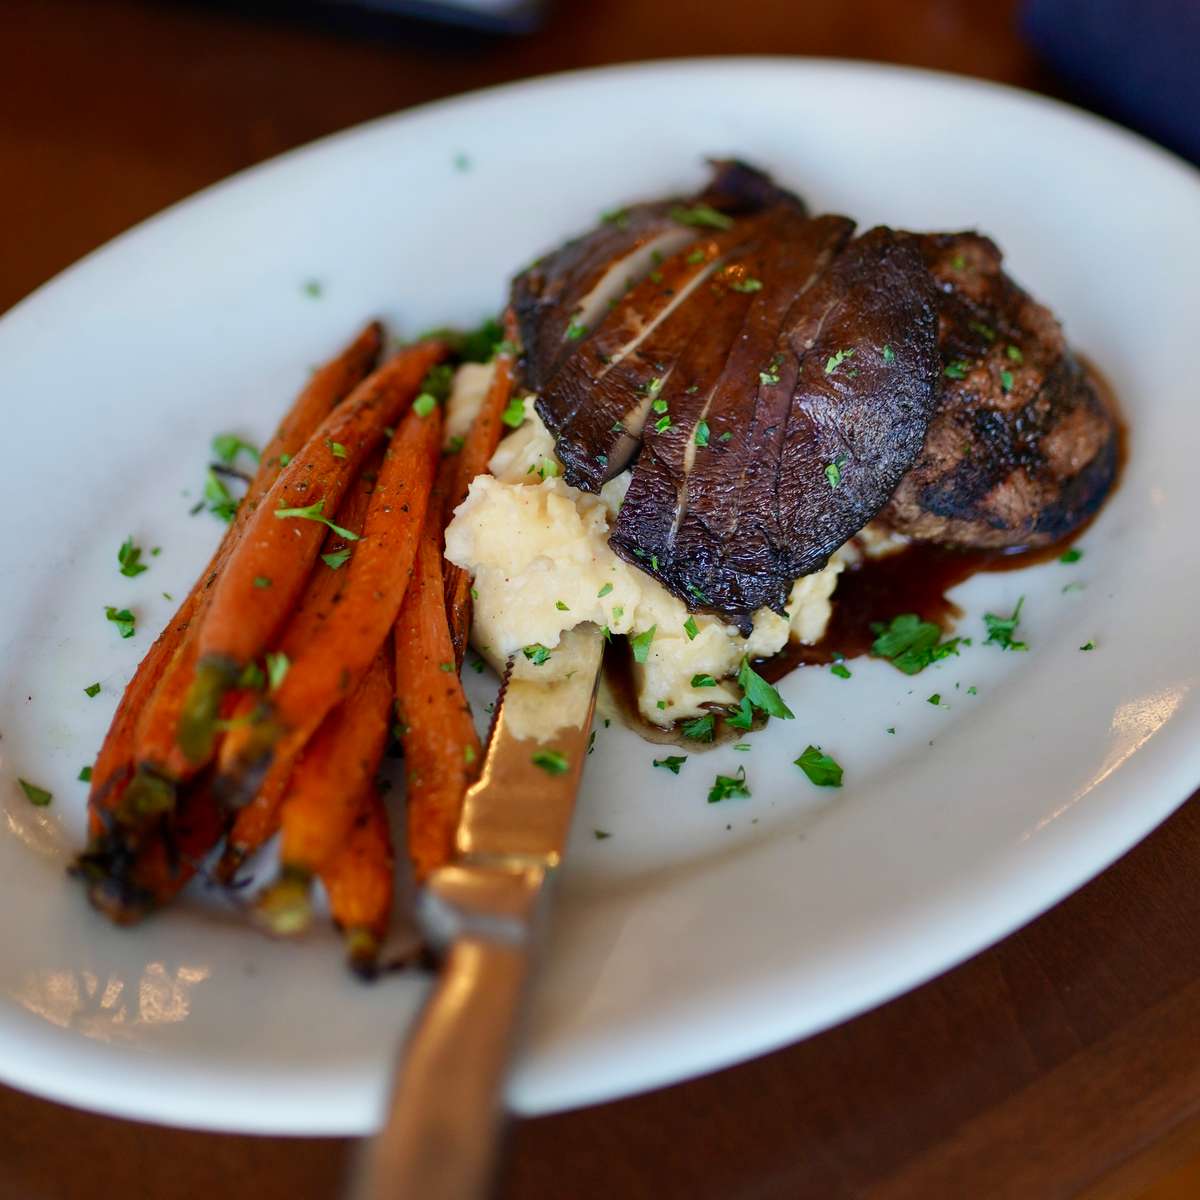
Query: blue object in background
point(1136, 60)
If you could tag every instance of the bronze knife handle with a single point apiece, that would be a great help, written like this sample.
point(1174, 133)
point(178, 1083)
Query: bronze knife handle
point(440, 1138)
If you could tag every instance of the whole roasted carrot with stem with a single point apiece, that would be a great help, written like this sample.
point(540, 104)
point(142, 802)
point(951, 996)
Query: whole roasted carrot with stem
point(331, 775)
point(478, 447)
point(326, 668)
point(441, 747)
point(360, 882)
point(134, 736)
point(282, 537)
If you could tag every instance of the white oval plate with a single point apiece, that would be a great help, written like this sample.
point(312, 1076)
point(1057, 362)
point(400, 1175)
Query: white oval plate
point(695, 935)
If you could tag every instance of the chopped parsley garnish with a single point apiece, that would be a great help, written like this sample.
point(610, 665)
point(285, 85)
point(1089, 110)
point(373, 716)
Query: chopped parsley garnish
point(662, 424)
point(461, 162)
point(725, 787)
point(561, 606)
point(313, 289)
point(92, 690)
point(36, 796)
point(760, 693)
point(889, 355)
point(822, 771)
point(553, 762)
point(227, 446)
point(641, 644)
point(691, 628)
point(958, 263)
point(1014, 353)
point(671, 763)
point(1000, 630)
point(336, 448)
point(536, 653)
point(833, 471)
point(749, 284)
point(252, 678)
point(835, 360)
point(703, 681)
point(652, 387)
point(840, 670)
point(702, 216)
point(424, 404)
point(448, 667)
point(547, 469)
point(129, 557)
point(1072, 555)
point(912, 644)
point(284, 459)
point(277, 667)
point(700, 729)
point(474, 593)
point(575, 330)
point(85, 775)
point(618, 612)
point(616, 216)
point(659, 406)
point(1006, 381)
point(744, 717)
point(770, 376)
point(261, 581)
point(314, 512)
point(742, 746)
point(476, 664)
point(514, 412)
point(696, 256)
point(220, 500)
point(601, 834)
point(1088, 646)
point(122, 618)
point(957, 369)
point(726, 436)
point(454, 445)
point(701, 435)
point(985, 331)
point(655, 277)
point(1074, 586)
point(972, 690)
point(336, 559)
point(935, 699)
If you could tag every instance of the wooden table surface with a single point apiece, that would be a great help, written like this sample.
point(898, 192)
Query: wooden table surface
point(1061, 1063)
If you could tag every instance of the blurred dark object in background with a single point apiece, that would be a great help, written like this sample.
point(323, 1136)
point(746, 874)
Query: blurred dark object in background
point(374, 16)
point(1135, 60)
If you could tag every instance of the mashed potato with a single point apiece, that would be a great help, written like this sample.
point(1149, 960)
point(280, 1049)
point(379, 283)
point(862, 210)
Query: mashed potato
point(538, 550)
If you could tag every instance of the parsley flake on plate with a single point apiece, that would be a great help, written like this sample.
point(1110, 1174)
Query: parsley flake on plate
point(1001, 629)
point(725, 787)
point(1071, 555)
point(604, 591)
point(129, 558)
point(700, 729)
point(671, 763)
point(219, 500)
point(227, 446)
point(912, 644)
point(701, 216)
point(536, 653)
point(92, 690)
point(122, 618)
point(85, 775)
point(835, 360)
point(833, 471)
point(743, 718)
point(36, 796)
point(822, 771)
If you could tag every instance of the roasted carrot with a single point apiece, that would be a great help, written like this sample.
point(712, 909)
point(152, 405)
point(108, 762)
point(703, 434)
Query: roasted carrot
point(143, 731)
point(332, 774)
point(472, 459)
point(282, 537)
point(127, 879)
point(441, 747)
point(326, 668)
point(255, 824)
point(360, 882)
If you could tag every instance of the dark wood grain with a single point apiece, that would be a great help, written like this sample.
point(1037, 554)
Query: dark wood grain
point(1059, 1064)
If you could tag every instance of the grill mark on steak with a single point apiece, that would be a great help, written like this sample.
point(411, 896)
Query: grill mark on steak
point(1022, 448)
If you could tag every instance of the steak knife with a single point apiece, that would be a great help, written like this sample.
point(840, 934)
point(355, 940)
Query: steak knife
point(481, 914)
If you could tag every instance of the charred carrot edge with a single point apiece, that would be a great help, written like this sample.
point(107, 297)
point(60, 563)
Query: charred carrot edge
point(242, 616)
point(142, 732)
point(128, 881)
point(441, 747)
point(478, 448)
point(326, 668)
point(256, 823)
point(360, 882)
point(324, 797)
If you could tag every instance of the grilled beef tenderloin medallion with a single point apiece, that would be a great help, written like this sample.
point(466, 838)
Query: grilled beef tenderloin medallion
point(1022, 448)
